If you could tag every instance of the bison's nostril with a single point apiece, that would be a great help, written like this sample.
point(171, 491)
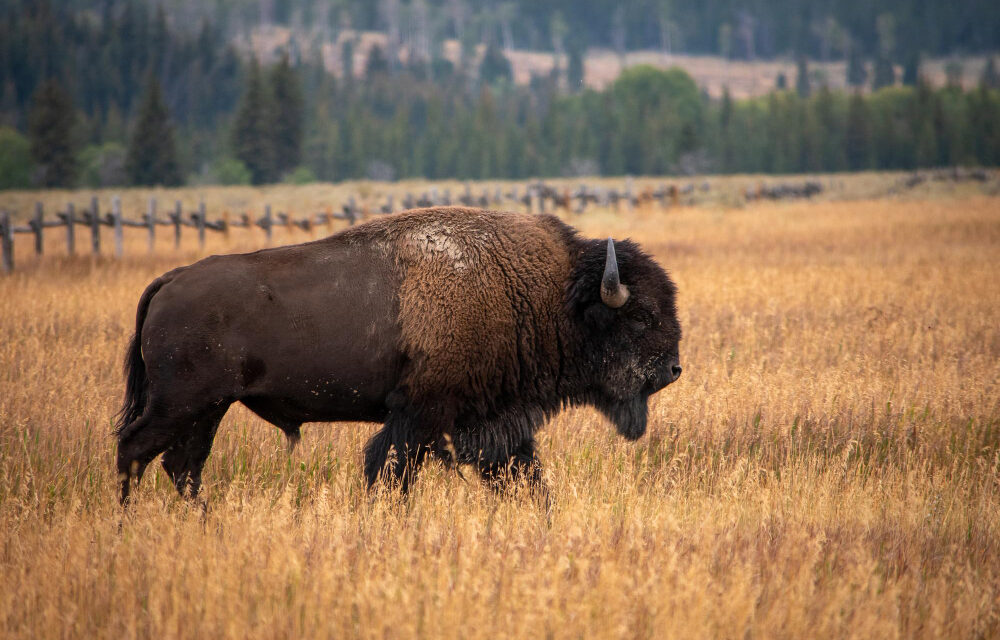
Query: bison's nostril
point(676, 370)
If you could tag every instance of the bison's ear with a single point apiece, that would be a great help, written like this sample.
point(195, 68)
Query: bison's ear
point(613, 292)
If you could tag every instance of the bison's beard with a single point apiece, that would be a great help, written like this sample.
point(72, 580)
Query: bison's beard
point(629, 416)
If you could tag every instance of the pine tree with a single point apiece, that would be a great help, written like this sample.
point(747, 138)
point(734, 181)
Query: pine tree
point(287, 114)
point(857, 75)
point(574, 67)
point(725, 109)
point(810, 139)
point(725, 132)
point(831, 128)
point(377, 63)
point(251, 138)
point(347, 61)
point(990, 78)
point(885, 73)
point(954, 73)
point(911, 70)
point(942, 132)
point(926, 153)
point(802, 78)
point(152, 156)
point(857, 139)
point(779, 132)
point(51, 123)
point(494, 66)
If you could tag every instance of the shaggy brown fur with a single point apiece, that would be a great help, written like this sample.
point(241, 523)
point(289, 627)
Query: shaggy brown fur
point(480, 294)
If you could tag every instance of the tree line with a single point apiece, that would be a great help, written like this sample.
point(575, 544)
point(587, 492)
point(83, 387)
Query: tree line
point(648, 122)
point(195, 112)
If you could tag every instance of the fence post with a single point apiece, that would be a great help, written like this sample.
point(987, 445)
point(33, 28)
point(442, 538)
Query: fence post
point(116, 221)
point(176, 217)
point(151, 221)
point(38, 228)
point(70, 231)
point(6, 242)
point(201, 225)
point(95, 226)
point(267, 222)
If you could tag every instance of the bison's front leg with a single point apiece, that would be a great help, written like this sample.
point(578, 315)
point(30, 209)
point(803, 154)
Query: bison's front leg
point(513, 466)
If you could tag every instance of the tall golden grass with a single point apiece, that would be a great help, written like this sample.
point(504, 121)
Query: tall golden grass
point(827, 466)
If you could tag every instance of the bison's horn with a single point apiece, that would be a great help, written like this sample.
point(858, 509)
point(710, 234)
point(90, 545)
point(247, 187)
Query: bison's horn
point(613, 292)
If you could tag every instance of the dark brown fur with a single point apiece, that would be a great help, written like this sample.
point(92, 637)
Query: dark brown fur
point(461, 330)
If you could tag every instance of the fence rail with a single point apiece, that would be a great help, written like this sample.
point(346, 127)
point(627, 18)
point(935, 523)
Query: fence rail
point(535, 197)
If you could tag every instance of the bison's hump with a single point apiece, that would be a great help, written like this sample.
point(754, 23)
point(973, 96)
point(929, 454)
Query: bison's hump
point(480, 298)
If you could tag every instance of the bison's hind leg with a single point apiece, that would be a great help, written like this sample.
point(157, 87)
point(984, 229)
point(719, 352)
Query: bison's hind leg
point(185, 459)
point(394, 455)
point(138, 443)
point(186, 441)
point(292, 438)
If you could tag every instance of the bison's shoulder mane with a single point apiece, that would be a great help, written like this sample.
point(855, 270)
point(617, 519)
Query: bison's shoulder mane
point(480, 296)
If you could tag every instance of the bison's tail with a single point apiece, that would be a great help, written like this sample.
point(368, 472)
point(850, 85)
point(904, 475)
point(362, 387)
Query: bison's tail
point(136, 382)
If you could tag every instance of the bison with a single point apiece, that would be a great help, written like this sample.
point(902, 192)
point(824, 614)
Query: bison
point(460, 330)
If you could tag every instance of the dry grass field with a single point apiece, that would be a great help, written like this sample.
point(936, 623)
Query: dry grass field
point(827, 466)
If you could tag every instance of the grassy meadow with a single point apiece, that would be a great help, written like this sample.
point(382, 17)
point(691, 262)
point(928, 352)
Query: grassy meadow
point(827, 466)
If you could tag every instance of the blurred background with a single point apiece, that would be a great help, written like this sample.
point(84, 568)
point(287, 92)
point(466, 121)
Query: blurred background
point(827, 466)
point(109, 93)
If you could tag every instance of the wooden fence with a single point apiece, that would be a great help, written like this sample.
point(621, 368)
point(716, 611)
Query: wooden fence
point(93, 219)
point(536, 197)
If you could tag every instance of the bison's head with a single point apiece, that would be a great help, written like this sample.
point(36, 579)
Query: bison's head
point(624, 305)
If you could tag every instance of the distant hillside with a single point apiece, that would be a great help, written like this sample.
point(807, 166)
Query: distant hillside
point(764, 29)
point(744, 78)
